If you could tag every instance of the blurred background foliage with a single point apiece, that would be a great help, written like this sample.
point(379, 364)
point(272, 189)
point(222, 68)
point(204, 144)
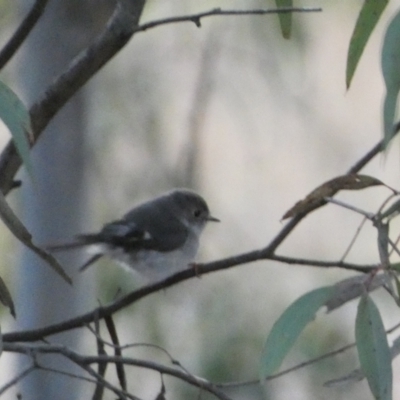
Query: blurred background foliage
point(253, 122)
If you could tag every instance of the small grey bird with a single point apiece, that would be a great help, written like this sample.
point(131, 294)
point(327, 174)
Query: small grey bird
point(157, 238)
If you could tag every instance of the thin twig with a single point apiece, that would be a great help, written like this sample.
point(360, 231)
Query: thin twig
point(300, 365)
point(340, 203)
point(324, 264)
point(17, 378)
point(364, 160)
point(353, 240)
point(85, 361)
point(196, 18)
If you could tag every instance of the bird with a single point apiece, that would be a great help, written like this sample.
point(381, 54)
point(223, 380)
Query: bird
point(157, 238)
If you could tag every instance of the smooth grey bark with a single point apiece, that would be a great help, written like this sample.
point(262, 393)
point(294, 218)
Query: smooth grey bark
point(54, 206)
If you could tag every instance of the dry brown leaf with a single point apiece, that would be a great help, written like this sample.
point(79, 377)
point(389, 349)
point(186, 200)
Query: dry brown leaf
point(352, 288)
point(328, 189)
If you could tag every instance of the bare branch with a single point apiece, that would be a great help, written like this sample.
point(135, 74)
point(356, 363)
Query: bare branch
point(22, 32)
point(324, 264)
point(304, 364)
point(130, 298)
point(84, 362)
point(364, 160)
point(196, 18)
point(341, 203)
point(17, 379)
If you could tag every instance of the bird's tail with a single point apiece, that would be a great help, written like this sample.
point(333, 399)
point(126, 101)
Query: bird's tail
point(81, 241)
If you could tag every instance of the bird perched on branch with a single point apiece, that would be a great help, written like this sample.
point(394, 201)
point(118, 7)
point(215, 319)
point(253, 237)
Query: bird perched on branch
point(157, 238)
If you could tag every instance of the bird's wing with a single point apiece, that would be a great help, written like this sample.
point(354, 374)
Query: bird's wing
point(121, 234)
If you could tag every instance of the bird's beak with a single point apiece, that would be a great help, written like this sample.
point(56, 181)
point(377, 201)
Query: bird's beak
point(213, 219)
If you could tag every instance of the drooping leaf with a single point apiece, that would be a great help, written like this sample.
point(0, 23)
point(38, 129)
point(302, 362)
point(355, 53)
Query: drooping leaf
point(285, 19)
point(317, 197)
point(21, 232)
point(289, 326)
point(390, 63)
point(16, 117)
point(5, 297)
point(373, 349)
point(366, 22)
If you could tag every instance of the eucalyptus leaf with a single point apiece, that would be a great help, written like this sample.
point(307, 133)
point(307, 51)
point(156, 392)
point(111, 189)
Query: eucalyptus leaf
point(366, 22)
point(373, 349)
point(289, 326)
point(390, 63)
point(17, 119)
point(285, 19)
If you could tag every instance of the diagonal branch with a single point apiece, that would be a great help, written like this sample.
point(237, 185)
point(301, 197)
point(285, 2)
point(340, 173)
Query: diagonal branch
point(22, 32)
point(103, 311)
point(14, 381)
point(121, 27)
point(119, 30)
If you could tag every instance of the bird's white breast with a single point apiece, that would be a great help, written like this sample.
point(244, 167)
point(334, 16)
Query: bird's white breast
point(155, 265)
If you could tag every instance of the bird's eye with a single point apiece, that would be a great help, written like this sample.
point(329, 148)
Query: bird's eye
point(197, 213)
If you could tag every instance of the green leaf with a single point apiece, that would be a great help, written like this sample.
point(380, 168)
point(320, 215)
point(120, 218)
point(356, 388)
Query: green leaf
point(366, 22)
point(390, 62)
point(373, 349)
point(289, 326)
point(285, 19)
point(17, 119)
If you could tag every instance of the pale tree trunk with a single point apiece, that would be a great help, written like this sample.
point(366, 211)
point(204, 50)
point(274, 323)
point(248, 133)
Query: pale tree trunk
point(54, 206)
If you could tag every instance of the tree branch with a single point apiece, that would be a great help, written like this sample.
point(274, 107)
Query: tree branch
point(84, 362)
point(103, 311)
point(22, 32)
point(324, 264)
point(118, 32)
point(196, 18)
point(16, 379)
point(122, 25)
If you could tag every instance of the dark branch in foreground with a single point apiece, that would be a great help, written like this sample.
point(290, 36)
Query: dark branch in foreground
point(85, 361)
point(22, 32)
point(119, 30)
